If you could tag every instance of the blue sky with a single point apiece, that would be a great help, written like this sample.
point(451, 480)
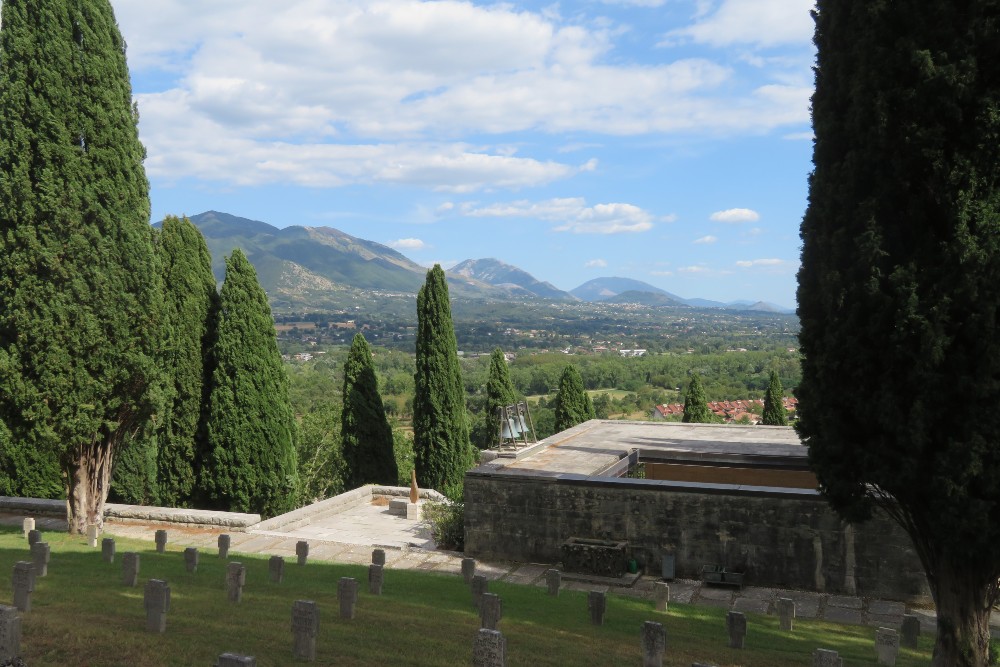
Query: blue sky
point(662, 140)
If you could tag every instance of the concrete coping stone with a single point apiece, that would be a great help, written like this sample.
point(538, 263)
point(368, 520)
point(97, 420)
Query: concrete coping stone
point(113, 511)
point(303, 515)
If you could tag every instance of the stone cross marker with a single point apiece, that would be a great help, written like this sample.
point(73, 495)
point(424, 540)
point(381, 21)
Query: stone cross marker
point(736, 623)
point(161, 541)
point(786, 613)
point(10, 633)
point(661, 595)
point(305, 626)
point(157, 601)
point(191, 559)
point(654, 643)
point(376, 576)
point(276, 567)
point(34, 536)
point(553, 579)
point(224, 546)
point(489, 649)
point(302, 551)
point(234, 660)
point(40, 553)
point(236, 576)
point(479, 586)
point(347, 595)
point(826, 658)
point(378, 557)
point(468, 569)
point(28, 525)
point(24, 584)
point(597, 602)
point(92, 535)
point(108, 549)
point(490, 611)
point(910, 632)
point(886, 646)
point(130, 568)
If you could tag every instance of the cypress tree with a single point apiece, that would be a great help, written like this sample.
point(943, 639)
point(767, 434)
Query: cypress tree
point(572, 404)
point(441, 448)
point(695, 404)
point(79, 293)
point(500, 392)
point(251, 462)
point(899, 290)
point(365, 430)
point(774, 405)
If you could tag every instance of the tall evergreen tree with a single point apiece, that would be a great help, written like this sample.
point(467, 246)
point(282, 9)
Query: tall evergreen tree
point(696, 404)
point(500, 392)
point(899, 290)
point(79, 293)
point(251, 460)
point(774, 404)
point(365, 430)
point(442, 452)
point(572, 405)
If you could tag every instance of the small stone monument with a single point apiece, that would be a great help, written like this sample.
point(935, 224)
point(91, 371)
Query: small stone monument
point(130, 569)
point(34, 536)
point(910, 632)
point(661, 595)
point(654, 643)
point(305, 625)
point(157, 601)
point(28, 525)
point(302, 551)
point(235, 660)
point(161, 541)
point(276, 567)
point(490, 611)
point(40, 553)
point(191, 559)
point(736, 623)
point(480, 586)
point(24, 584)
point(489, 649)
point(376, 575)
point(92, 535)
point(553, 580)
point(224, 546)
point(886, 646)
point(826, 658)
point(108, 549)
point(236, 576)
point(786, 613)
point(10, 633)
point(347, 595)
point(378, 557)
point(468, 569)
point(597, 602)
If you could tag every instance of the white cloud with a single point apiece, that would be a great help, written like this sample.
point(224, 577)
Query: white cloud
point(758, 22)
point(636, 3)
point(571, 214)
point(596, 264)
point(693, 269)
point(704, 240)
point(770, 264)
point(798, 136)
point(735, 215)
point(407, 244)
point(661, 273)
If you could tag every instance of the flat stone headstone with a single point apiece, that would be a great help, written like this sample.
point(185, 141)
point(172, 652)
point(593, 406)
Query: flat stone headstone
point(40, 554)
point(378, 557)
point(108, 550)
point(276, 568)
point(886, 646)
point(468, 569)
point(823, 657)
point(302, 551)
point(191, 559)
point(236, 577)
point(736, 623)
point(347, 596)
point(786, 613)
point(305, 626)
point(34, 536)
point(553, 580)
point(489, 649)
point(161, 541)
point(223, 542)
point(661, 596)
point(480, 585)
point(376, 576)
point(24, 584)
point(910, 632)
point(92, 531)
point(28, 525)
point(10, 633)
point(130, 568)
point(235, 660)
point(701, 664)
point(654, 643)
point(597, 603)
point(156, 599)
point(490, 611)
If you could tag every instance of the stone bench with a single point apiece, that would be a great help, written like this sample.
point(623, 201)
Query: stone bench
point(718, 574)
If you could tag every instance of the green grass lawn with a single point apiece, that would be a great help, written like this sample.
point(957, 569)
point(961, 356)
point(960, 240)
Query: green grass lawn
point(82, 615)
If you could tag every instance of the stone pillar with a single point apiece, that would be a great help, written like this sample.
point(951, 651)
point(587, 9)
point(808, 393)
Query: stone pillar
point(376, 576)
point(234, 660)
point(490, 611)
point(305, 626)
point(34, 536)
point(24, 584)
point(910, 632)
point(786, 613)
point(236, 576)
point(347, 596)
point(224, 546)
point(661, 596)
point(480, 586)
point(92, 535)
point(736, 623)
point(276, 568)
point(40, 554)
point(654, 643)
point(108, 549)
point(826, 658)
point(468, 569)
point(130, 569)
point(489, 649)
point(191, 559)
point(161, 541)
point(596, 604)
point(378, 557)
point(10, 633)
point(886, 646)
point(157, 602)
point(28, 525)
point(302, 551)
point(553, 580)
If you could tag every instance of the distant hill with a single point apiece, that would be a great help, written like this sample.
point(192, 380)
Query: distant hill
point(499, 274)
point(760, 306)
point(644, 298)
point(602, 289)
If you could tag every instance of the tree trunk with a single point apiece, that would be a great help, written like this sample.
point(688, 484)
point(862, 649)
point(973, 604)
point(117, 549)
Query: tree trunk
point(963, 604)
point(88, 478)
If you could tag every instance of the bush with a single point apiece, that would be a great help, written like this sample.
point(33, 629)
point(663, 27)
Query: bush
point(447, 524)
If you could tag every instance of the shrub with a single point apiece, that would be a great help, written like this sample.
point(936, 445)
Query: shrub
point(447, 521)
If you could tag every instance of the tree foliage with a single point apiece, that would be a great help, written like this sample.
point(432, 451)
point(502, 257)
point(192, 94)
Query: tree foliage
point(774, 405)
point(572, 404)
point(695, 404)
point(365, 431)
point(500, 392)
point(899, 290)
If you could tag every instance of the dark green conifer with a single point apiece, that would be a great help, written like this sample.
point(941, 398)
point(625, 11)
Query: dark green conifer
point(774, 405)
point(695, 404)
point(79, 292)
point(365, 430)
point(572, 405)
point(251, 460)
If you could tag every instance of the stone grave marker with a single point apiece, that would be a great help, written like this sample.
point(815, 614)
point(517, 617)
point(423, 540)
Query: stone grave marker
point(130, 569)
point(378, 557)
point(34, 536)
point(347, 595)
point(489, 649)
point(10, 633)
point(40, 553)
point(826, 658)
point(654, 643)
point(191, 559)
point(24, 584)
point(302, 551)
point(553, 580)
point(276, 567)
point(886, 646)
point(661, 595)
point(236, 576)
point(701, 664)
point(597, 603)
point(490, 611)
point(305, 626)
point(28, 525)
point(157, 601)
point(236, 660)
point(224, 546)
point(910, 632)
point(376, 575)
point(161, 541)
point(92, 535)
point(736, 623)
point(786, 613)
point(468, 569)
point(480, 586)
point(108, 549)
